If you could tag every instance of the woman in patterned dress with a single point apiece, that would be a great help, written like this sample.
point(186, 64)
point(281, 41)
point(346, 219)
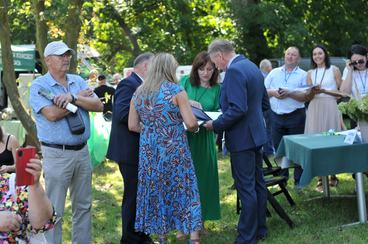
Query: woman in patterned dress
point(25, 211)
point(167, 196)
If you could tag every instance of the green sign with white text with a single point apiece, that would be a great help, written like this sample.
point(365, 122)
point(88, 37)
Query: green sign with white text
point(23, 56)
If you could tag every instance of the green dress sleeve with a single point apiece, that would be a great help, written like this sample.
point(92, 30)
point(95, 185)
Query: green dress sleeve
point(184, 82)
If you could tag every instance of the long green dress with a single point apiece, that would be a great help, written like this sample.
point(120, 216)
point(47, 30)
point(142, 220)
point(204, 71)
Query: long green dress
point(203, 148)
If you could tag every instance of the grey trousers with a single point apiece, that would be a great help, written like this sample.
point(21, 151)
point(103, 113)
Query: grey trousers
point(63, 170)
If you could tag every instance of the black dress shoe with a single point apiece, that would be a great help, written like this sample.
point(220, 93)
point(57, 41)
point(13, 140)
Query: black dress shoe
point(261, 237)
point(147, 241)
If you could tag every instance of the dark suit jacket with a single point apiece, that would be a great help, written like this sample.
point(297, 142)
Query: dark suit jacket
point(242, 96)
point(124, 144)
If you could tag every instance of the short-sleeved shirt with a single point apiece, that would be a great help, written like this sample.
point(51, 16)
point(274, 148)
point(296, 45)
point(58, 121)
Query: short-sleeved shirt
point(359, 81)
point(57, 132)
point(281, 78)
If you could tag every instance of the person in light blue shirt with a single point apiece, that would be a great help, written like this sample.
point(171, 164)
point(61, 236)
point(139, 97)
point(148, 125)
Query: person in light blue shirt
point(66, 160)
point(286, 88)
point(38, 102)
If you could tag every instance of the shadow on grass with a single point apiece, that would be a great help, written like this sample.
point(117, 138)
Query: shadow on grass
point(316, 221)
point(107, 191)
point(106, 167)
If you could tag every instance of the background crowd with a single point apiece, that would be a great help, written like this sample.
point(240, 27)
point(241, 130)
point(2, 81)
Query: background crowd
point(167, 160)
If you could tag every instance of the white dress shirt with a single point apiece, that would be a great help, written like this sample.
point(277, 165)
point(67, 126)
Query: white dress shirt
point(281, 78)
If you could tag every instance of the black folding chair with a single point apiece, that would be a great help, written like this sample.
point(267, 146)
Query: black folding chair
point(272, 178)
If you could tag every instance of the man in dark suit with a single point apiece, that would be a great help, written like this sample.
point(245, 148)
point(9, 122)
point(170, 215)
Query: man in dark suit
point(124, 148)
point(241, 98)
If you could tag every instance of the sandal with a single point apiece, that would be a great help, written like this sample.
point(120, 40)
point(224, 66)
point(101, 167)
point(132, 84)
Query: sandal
point(319, 182)
point(319, 186)
point(194, 237)
point(333, 181)
point(162, 239)
point(181, 236)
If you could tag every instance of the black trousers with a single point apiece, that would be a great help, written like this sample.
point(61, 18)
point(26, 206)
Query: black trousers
point(128, 206)
point(288, 124)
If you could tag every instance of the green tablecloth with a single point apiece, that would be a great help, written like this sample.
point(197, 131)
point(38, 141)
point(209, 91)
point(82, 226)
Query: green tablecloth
point(15, 128)
point(322, 155)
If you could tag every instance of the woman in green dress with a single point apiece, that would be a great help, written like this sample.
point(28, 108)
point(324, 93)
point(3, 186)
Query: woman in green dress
point(203, 91)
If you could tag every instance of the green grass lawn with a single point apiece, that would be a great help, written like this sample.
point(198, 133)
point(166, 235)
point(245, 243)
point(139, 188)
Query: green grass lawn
point(317, 220)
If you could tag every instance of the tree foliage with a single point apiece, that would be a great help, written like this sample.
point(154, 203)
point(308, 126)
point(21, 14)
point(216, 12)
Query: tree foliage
point(9, 75)
point(181, 27)
point(335, 23)
point(120, 30)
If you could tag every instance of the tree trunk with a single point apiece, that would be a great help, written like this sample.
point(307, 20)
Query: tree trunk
point(73, 25)
point(41, 29)
point(9, 76)
point(133, 39)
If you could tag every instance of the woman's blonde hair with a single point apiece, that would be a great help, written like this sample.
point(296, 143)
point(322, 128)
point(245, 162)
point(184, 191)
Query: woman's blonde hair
point(162, 68)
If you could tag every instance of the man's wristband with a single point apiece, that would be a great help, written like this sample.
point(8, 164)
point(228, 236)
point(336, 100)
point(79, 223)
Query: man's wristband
point(74, 98)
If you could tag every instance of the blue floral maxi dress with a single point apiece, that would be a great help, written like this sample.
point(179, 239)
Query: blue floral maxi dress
point(167, 195)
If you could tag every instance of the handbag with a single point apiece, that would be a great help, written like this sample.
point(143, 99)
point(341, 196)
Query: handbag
point(75, 123)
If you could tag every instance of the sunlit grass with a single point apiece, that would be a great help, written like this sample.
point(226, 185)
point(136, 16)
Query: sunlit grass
point(317, 220)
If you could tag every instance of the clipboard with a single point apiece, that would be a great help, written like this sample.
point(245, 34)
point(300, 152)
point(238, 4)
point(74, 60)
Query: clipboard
point(200, 114)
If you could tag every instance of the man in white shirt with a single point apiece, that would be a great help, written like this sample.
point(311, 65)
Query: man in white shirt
point(287, 100)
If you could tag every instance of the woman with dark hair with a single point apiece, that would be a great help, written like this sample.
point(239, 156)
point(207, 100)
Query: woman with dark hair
point(8, 147)
point(323, 114)
point(355, 76)
point(203, 91)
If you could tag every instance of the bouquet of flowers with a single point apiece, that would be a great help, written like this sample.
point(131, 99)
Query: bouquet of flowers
point(355, 109)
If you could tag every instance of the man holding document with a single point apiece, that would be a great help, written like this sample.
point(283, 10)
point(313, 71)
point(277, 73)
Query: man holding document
point(241, 97)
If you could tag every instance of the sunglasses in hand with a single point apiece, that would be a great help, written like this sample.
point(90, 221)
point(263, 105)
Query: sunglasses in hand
point(360, 61)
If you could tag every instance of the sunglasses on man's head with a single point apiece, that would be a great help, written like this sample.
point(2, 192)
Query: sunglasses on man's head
point(360, 61)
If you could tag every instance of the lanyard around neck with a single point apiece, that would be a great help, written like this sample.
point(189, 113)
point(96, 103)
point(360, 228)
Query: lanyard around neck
point(288, 74)
point(363, 82)
point(323, 75)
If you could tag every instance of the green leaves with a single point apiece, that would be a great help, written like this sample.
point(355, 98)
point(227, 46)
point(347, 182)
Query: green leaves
point(355, 109)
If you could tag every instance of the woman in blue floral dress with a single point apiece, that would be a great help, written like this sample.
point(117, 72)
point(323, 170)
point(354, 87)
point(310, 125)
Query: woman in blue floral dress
point(167, 196)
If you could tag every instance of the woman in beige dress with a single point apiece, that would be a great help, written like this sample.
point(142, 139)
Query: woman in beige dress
point(323, 113)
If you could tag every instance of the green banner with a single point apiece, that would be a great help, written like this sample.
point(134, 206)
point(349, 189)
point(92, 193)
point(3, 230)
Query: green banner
point(24, 57)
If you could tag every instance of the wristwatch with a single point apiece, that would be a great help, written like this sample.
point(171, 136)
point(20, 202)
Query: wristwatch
point(74, 98)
